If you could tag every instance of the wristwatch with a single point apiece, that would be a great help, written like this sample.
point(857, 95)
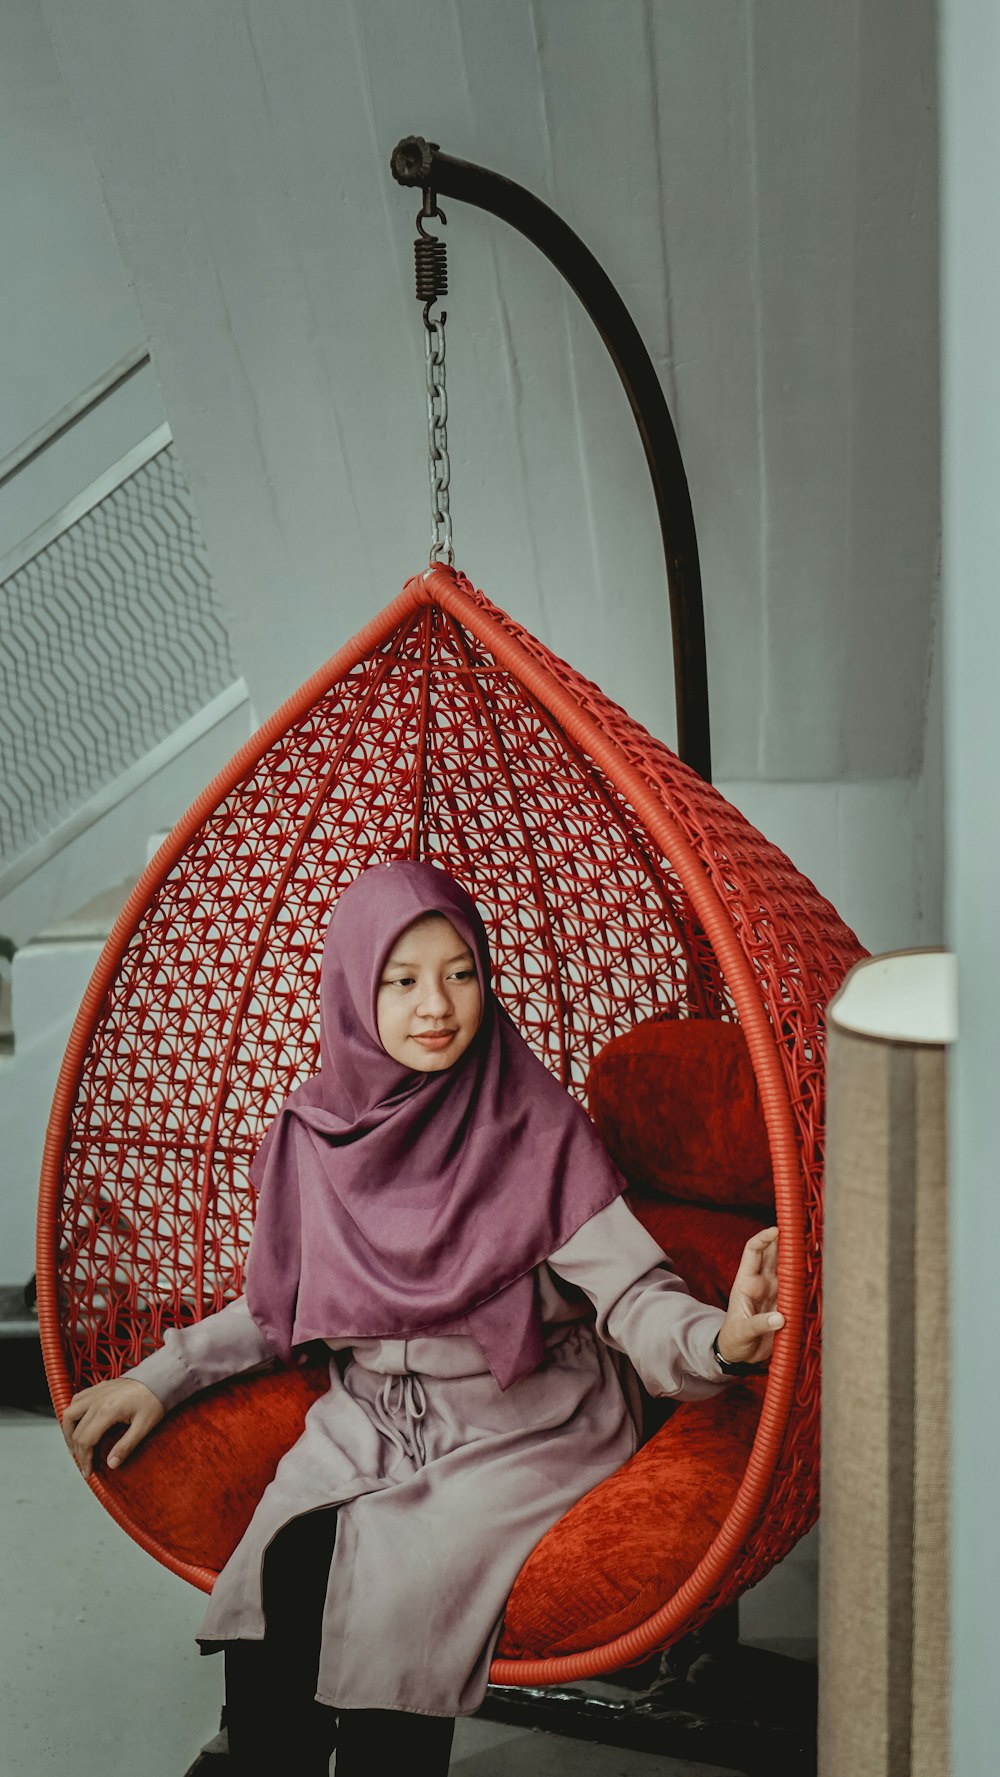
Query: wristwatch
point(729, 1369)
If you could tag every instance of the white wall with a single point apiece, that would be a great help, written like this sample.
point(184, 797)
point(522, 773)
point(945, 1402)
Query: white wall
point(70, 314)
point(760, 180)
point(971, 304)
point(70, 317)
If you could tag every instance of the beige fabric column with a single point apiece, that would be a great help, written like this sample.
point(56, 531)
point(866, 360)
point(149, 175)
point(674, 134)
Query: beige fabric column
point(883, 1709)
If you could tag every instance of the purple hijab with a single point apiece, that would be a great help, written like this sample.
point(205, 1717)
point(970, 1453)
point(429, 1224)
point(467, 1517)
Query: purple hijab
point(393, 1203)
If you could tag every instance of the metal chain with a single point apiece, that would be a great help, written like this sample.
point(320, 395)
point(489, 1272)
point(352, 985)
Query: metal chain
point(431, 265)
point(437, 439)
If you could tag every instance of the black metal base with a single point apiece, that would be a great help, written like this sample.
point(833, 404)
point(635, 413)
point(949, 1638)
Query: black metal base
point(709, 1700)
point(750, 1711)
point(213, 1760)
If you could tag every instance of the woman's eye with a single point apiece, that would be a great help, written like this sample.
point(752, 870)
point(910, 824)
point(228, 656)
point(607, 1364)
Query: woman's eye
point(400, 981)
point(464, 975)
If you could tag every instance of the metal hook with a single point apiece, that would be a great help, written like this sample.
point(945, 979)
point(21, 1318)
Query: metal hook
point(429, 211)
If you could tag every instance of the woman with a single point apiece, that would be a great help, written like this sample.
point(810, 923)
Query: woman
point(437, 1209)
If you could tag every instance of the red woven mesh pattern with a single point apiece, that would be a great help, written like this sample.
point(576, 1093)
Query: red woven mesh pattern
point(203, 1012)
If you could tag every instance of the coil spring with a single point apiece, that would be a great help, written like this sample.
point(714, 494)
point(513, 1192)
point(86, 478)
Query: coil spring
point(431, 266)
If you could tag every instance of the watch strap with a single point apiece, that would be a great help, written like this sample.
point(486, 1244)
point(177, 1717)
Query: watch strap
point(729, 1369)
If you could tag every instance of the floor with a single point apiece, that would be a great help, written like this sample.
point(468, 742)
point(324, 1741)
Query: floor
point(100, 1675)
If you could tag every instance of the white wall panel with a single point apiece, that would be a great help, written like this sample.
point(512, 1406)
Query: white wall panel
point(58, 244)
point(971, 636)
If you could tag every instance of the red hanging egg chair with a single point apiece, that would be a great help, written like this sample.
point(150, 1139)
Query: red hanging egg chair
point(617, 887)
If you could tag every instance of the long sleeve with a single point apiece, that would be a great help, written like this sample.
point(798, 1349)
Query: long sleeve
point(643, 1308)
point(223, 1344)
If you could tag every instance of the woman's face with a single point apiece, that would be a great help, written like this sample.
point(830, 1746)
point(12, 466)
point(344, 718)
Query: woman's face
point(429, 1003)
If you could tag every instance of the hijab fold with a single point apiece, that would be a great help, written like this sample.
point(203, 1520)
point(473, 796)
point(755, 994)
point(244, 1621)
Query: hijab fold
point(394, 1203)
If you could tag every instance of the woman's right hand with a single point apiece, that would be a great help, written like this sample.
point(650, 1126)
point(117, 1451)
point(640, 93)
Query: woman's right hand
point(91, 1412)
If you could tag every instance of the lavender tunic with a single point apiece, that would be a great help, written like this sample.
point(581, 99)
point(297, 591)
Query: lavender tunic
point(444, 1482)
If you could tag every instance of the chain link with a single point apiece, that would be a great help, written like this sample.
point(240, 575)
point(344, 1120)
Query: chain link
point(437, 438)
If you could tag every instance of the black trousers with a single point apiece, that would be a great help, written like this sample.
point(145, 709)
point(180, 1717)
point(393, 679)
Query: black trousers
point(276, 1727)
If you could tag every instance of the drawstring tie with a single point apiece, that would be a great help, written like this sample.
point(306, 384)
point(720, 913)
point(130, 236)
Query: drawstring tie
point(403, 1396)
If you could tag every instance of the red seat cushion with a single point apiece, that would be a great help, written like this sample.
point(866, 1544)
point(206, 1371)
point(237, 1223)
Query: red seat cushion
point(625, 1548)
point(617, 1556)
point(198, 1479)
point(603, 1569)
point(676, 1104)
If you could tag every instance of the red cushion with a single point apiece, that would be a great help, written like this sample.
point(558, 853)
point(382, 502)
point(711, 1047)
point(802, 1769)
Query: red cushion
point(603, 1569)
point(676, 1104)
point(625, 1548)
point(198, 1478)
point(704, 1246)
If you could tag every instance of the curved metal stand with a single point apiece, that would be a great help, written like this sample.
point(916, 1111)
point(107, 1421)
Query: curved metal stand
point(415, 162)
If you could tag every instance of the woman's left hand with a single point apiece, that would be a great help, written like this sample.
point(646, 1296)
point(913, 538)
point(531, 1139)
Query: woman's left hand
point(747, 1333)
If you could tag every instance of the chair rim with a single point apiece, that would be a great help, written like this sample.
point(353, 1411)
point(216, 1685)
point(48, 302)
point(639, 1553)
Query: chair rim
point(447, 588)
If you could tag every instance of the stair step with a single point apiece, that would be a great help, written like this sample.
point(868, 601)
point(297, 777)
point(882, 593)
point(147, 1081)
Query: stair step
point(92, 921)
